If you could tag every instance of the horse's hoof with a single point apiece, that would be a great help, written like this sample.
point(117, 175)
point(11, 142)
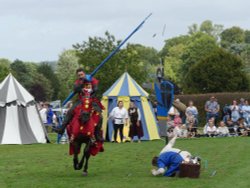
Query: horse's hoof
point(85, 173)
point(80, 166)
point(75, 164)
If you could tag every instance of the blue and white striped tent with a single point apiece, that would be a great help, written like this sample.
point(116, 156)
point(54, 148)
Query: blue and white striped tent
point(126, 89)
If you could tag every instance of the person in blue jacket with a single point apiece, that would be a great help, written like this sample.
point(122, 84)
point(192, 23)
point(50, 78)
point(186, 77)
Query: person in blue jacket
point(169, 160)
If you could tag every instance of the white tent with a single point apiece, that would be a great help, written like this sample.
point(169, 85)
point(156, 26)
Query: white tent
point(20, 122)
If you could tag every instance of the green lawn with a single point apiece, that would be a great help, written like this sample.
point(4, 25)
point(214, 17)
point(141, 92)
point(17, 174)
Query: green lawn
point(124, 165)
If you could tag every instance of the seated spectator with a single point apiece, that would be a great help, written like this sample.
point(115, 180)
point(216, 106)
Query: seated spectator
point(191, 124)
point(170, 122)
point(210, 129)
point(177, 120)
point(235, 111)
point(212, 108)
point(232, 127)
point(242, 129)
point(180, 131)
point(222, 130)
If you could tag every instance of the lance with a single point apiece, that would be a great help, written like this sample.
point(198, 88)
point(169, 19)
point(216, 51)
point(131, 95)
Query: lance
point(89, 76)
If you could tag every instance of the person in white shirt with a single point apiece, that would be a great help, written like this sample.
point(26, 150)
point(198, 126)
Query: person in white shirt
point(222, 130)
point(43, 113)
point(119, 115)
point(191, 109)
point(210, 129)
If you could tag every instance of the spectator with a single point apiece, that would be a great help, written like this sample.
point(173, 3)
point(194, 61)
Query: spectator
point(242, 129)
point(235, 111)
point(210, 129)
point(172, 112)
point(242, 103)
point(191, 109)
point(232, 127)
point(212, 108)
point(222, 130)
point(120, 116)
point(135, 122)
point(155, 109)
point(50, 114)
point(180, 131)
point(43, 114)
point(191, 124)
point(226, 113)
point(177, 120)
point(245, 109)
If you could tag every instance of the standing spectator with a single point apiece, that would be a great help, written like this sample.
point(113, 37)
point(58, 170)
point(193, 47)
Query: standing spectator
point(245, 109)
point(191, 109)
point(226, 113)
point(212, 108)
point(242, 103)
point(120, 116)
point(222, 130)
point(155, 109)
point(50, 114)
point(135, 122)
point(235, 111)
point(172, 112)
point(43, 114)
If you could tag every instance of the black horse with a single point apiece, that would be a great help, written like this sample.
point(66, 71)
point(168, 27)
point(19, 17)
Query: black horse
point(89, 145)
point(77, 143)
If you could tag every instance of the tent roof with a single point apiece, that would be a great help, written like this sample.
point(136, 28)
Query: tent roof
point(12, 91)
point(125, 86)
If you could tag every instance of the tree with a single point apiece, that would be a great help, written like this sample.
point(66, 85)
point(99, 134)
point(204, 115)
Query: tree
point(4, 68)
point(180, 40)
point(247, 36)
point(207, 27)
point(46, 70)
point(92, 52)
point(34, 82)
point(233, 35)
point(200, 46)
point(219, 71)
point(20, 71)
point(65, 71)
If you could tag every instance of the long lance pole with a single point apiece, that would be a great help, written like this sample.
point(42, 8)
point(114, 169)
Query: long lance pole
point(118, 47)
point(88, 77)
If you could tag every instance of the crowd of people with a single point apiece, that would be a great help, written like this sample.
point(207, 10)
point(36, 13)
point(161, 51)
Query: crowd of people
point(235, 120)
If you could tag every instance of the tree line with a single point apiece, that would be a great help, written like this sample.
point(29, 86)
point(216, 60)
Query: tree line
point(206, 59)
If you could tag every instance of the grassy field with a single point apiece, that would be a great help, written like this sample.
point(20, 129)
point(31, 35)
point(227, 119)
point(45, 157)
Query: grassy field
point(124, 165)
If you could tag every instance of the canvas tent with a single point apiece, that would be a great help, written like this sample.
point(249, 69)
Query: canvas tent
point(126, 89)
point(20, 122)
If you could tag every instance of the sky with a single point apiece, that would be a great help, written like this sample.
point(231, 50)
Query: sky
point(40, 30)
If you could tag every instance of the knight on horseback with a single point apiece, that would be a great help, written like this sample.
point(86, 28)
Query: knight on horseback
point(87, 105)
